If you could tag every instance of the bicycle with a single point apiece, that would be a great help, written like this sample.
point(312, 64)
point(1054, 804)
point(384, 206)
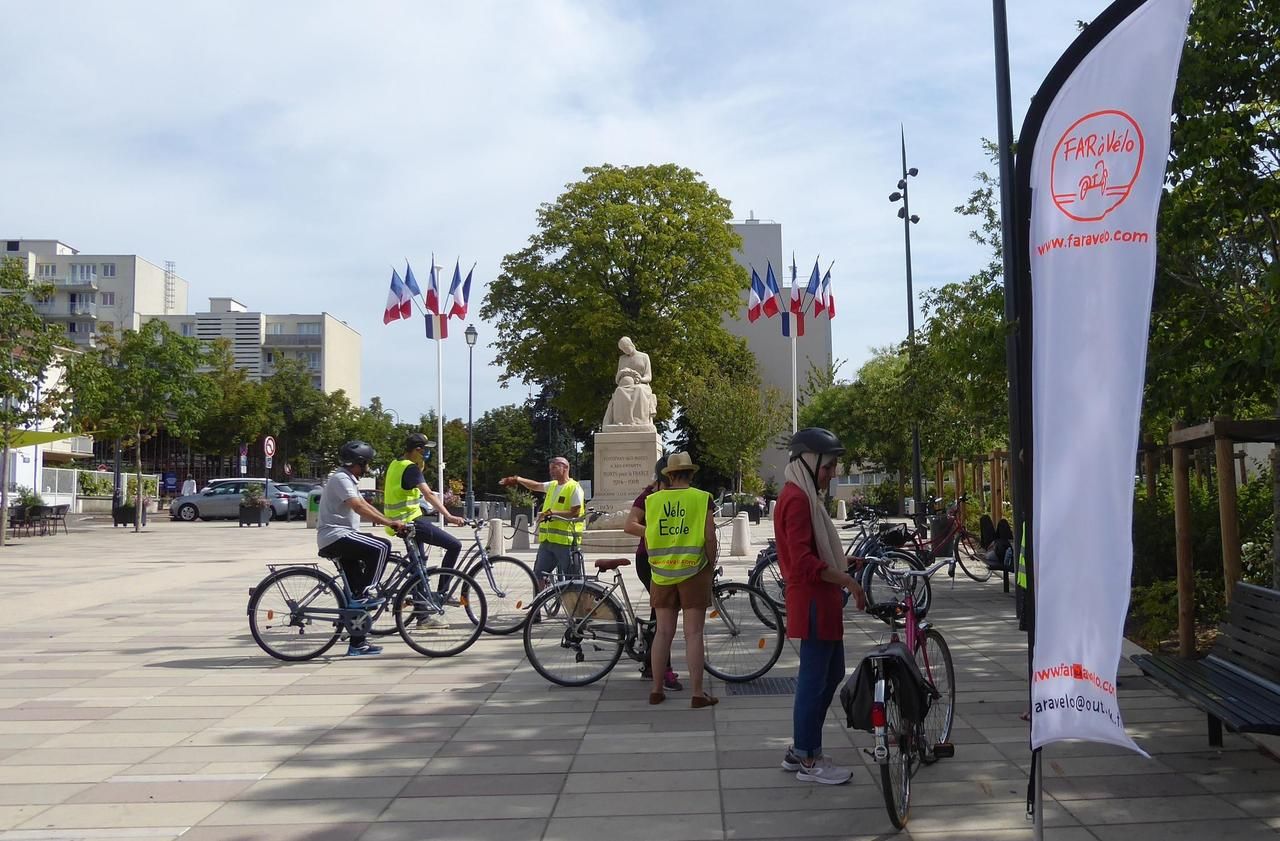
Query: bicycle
point(905, 741)
point(964, 546)
point(297, 612)
point(511, 586)
point(580, 629)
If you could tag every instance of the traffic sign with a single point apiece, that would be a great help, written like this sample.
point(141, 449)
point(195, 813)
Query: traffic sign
point(268, 462)
point(244, 465)
point(269, 447)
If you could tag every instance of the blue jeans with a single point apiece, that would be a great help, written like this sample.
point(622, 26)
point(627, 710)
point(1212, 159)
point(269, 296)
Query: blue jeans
point(425, 533)
point(821, 670)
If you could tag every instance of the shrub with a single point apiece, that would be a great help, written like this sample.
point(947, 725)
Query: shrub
point(93, 484)
point(885, 495)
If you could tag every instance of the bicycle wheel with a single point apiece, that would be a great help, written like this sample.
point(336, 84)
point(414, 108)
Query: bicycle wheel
point(767, 578)
point(934, 659)
point(510, 595)
point(575, 633)
point(393, 576)
point(971, 557)
point(895, 774)
point(293, 614)
point(740, 645)
point(878, 588)
point(437, 627)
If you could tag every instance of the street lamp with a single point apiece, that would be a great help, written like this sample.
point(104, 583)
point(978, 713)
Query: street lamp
point(470, 503)
point(908, 219)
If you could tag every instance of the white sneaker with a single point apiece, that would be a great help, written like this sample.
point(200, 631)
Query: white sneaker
point(823, 771)
point(433, 620)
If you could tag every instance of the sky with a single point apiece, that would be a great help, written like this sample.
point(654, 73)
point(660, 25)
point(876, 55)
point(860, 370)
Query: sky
point(290, 154)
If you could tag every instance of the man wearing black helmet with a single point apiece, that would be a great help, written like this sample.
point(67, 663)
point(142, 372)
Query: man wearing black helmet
point(813, 565)
point(361, 556)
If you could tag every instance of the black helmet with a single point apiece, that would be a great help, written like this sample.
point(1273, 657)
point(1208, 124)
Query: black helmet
point(414, 440)
point(815, 439)
point(356, 452)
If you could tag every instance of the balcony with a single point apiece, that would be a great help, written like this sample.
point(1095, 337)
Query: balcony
point(84, 339)
point(80, 446)
point(67, 309)
point(293, 340)
point(88, 283)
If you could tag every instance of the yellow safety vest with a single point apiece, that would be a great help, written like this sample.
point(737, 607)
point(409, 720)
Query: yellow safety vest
point(559, 500)
point(675, 523)
point(1022, 560)
point(397, 503)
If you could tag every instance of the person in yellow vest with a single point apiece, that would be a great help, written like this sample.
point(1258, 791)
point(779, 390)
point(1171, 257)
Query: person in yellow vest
point(556, 537)
point(405, 489)
point(680, 536)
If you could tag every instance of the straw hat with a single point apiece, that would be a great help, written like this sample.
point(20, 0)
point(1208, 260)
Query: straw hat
point(678, 462)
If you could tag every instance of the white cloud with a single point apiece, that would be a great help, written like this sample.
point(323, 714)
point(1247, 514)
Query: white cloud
point(289, 153)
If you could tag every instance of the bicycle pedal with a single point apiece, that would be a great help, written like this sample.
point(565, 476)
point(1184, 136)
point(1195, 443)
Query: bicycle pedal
point(944, 750)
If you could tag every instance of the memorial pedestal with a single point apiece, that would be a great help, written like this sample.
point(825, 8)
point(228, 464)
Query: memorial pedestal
point(623, 467)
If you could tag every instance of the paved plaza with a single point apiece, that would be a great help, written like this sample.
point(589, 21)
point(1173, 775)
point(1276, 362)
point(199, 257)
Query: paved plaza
point(135, 705)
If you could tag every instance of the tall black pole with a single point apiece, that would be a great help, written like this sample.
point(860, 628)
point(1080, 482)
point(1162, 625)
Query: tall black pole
point(911, 330)
point(471, 494)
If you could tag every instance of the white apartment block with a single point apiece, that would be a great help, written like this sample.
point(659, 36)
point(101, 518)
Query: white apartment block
point(327, 346)
point(95, 289)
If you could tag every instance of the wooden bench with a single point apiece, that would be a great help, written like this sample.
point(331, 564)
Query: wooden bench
point(1238, 682)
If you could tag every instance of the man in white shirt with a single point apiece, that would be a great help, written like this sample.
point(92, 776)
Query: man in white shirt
point(564, 498)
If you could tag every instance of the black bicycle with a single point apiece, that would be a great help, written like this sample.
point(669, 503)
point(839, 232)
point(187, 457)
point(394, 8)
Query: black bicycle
point(298, 611)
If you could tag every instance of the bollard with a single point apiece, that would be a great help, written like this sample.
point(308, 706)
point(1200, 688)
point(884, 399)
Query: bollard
point(740, 545)
point(313, 508)
point(521, 539)
point(842, 511)
point(497, 544)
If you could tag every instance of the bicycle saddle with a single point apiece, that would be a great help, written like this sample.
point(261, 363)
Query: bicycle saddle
point(606, 564)
point(886, 611)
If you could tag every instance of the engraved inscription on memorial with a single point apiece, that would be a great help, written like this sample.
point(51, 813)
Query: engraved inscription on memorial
point(627, 472)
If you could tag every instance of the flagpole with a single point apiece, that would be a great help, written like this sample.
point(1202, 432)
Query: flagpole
point(794, 328)
point(439, 399)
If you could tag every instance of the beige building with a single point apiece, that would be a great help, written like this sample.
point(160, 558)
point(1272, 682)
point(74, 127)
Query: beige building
point(95, 289)
point(325, 345)
point(762, 245)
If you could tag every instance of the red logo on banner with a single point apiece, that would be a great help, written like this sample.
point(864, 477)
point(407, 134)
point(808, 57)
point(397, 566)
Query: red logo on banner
point(1095, 165)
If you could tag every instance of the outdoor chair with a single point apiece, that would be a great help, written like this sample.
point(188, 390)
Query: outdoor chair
point(17, 520)
point(38, 518)
point(57, 514)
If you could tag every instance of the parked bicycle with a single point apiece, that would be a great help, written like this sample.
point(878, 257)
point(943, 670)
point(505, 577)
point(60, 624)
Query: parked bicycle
point(508, 585)
point(957, 540)
point(298, 611)
point(581, 627)
point(905, 736)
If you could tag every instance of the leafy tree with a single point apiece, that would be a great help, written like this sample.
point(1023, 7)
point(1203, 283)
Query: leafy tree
point(735, 420)
point(237, 410)
point(134, 383)
point(643, 251)
point(29, 347)
point(298, 412)
point(503, 446)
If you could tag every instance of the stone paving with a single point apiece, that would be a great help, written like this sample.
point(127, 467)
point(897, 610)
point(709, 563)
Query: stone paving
point(134, 705)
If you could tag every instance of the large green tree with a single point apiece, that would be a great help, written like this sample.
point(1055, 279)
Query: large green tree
point(298, 413)
point(28, 348)
point(735, 419)
point(135, 382)
point(504, 441)
point(238, 410)
point(640, 251)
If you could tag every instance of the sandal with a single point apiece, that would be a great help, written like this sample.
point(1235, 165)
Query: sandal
point(657, 697)
point(703, 700)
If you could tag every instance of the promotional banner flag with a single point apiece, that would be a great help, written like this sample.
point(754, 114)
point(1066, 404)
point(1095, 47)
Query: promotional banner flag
point(756, 298)
point(410, 282)
point(437, 326)
point(1090, 170)
point(399, 304)
point(772, 304)
point(433, 288)
point(462, 297)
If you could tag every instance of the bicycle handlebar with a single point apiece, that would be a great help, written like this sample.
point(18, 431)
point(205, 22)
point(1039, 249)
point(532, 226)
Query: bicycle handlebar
point(916, 573)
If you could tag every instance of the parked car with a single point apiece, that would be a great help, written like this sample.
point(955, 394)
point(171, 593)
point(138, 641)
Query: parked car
point(221, 498)
point(297, 500)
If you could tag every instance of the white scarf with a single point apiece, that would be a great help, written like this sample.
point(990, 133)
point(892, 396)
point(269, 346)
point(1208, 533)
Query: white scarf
point(825, 535)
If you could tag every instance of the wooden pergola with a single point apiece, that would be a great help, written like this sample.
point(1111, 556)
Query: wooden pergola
point(1223, 433)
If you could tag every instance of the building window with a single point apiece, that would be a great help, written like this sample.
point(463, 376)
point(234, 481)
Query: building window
point(313, 359)
point(107, 299)
point(309, 328)
point(11, 245)
point(186, 328)
point(315, 381)
point(46, 270)
point(84, 271)
point(275, 328)
point(71, 327)
point(108, 269)
point(270, 357)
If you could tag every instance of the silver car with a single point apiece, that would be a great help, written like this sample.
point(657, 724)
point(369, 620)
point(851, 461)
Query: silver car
point(221, 498)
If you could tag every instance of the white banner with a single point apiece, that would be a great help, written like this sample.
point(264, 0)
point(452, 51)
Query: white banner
point(1097, 172)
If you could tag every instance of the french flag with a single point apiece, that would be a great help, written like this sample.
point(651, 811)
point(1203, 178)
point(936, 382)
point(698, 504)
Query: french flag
point(772, 305)
point(828, 298)
point(757, 296)
point(437, 326)
point(460, 292)
point(399, 302)
point(433, 288)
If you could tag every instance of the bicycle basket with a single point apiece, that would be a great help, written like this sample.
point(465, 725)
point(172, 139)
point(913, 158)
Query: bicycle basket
point(913, 692)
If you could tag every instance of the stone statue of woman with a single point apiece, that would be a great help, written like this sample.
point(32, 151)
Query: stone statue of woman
point(633, 404)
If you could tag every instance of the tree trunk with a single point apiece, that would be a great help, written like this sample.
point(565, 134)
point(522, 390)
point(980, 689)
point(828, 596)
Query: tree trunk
point(4, 490)
point(1275, 537)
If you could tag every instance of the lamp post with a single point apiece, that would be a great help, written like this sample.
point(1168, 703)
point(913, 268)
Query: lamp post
point(470, 503)
point(908, 219)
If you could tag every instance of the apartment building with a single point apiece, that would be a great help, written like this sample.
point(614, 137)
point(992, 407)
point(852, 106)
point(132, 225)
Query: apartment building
point(327, 346)
point(761, 246)
point(91, 290)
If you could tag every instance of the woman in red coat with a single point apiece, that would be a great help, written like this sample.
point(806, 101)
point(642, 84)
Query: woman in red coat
point(815, 572)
